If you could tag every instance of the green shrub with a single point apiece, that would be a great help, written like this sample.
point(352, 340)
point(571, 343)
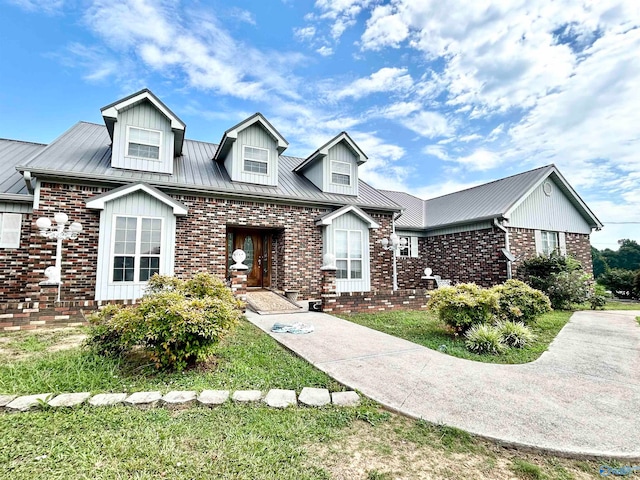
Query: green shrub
point(515, 334)
point(621, 282)
point(176, 322)
point(483, 338)
point(464, 305)
point(567, 288)
point(519, 302)
point(597, 301)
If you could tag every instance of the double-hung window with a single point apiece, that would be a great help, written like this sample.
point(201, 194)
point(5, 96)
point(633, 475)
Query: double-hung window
point(550, 242)
point(10, 225)
point(143, 143)
point(255, 160)
point(348, 251)
point(340, 173)
point(136, 248)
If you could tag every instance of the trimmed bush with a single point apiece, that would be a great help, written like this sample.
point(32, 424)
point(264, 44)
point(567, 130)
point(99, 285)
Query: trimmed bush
point(519, 302)
point(515, 334)
point(464, 305)
point(177, 322)
point(482, 338)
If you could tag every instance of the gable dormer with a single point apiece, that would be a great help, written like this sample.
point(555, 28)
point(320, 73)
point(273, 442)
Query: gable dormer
point(333, 168)
point(250, 151)
point(145, 134)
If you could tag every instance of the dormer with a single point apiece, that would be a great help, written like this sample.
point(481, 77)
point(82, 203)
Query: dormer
point(250, 151)
point(333, 168)
point(145, 134)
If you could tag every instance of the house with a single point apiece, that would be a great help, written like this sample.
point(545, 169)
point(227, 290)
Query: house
point(482, 234)
point(153, 201)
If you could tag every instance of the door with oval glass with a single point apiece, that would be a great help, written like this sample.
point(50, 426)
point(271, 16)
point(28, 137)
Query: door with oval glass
point(256, 245)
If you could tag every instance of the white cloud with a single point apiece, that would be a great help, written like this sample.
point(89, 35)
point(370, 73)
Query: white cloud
point(325, 51)
point(194, 45)
point(427, 124)
point(304, 33)
point(437, 151)
point(384, 80)
point(243, 15)
point(45, 6)
point(343, 13)
point(480, 160)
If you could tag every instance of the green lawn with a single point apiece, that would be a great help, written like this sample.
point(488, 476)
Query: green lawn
point(231, 441)
point(424, 328)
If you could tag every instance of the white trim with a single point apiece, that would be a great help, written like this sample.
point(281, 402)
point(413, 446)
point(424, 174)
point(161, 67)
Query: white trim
point(112, 111)
point(537, 234)
point(6, 218)
point(136, 255)
point(99, 201)
point(244, 157)
point(150, 159)
point(36, 195)
point(350, 174)
point(330, 217)
point(562, 243)
point(324, 151)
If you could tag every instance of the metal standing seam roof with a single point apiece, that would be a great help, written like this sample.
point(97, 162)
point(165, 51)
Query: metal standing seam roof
point(84, 152)
point(13, 152)
point(491, 200)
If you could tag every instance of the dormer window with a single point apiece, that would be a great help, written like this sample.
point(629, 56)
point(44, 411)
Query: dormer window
point(340, 173)
point(255, 160)
point(143, 143)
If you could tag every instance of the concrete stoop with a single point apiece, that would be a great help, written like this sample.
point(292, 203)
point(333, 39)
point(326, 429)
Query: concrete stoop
point(275, 398)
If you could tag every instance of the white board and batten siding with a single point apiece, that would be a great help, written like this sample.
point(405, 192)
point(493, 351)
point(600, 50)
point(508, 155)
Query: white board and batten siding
point(467, 227)
point(253, 136)
point(340, 153)
point(143, 115)
point(553, 212)
point(137, 204)
point(349, 221)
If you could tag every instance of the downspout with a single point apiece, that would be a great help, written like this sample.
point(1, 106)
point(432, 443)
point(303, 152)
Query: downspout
point(394, 250)
point(28, 179)
point(497, 223)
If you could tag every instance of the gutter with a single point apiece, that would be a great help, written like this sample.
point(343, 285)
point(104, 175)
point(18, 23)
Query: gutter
point(499, 225)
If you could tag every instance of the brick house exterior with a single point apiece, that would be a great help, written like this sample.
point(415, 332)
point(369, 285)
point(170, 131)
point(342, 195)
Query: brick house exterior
point(152, 201)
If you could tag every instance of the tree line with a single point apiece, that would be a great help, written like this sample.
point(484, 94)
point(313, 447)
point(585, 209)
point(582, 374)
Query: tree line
point(619, 270)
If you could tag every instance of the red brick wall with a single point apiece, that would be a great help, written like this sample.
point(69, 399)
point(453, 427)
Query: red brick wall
point(200, 244)
point(411, 269)
point(473, 256)
point(379, 301)
point(523, 245)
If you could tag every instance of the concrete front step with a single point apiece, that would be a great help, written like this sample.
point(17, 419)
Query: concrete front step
point(275, 398)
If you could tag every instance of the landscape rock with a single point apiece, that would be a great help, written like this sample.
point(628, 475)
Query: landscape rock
point(178, 398)
point(278, 398)
point(247, 395)
point(345, 399)
point(69, 399)
point(107, 399)
point(6, 399)
point(26, 402)
point(315, 397)
point(211, 398)
point(143, 399)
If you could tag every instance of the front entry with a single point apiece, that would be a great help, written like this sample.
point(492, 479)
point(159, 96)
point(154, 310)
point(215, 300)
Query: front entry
point(257, 245)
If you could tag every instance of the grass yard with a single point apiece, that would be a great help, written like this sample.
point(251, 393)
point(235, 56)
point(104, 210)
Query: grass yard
point(232, 441)
point(424, 328)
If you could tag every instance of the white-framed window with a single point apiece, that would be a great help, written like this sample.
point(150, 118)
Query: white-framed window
point(405, 247)
point(255, 160)
point(340, 173)
point(143, 143)
point(10, 227)
point(549, 242)
point(136, 247)
point(348, 251)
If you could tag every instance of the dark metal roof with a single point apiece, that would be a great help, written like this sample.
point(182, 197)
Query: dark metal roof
point(413, 215)
point(84, 153)
point(13, 152)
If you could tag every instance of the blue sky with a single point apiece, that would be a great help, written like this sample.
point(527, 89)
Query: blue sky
point(440, 95)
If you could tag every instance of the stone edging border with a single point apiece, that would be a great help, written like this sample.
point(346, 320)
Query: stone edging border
point(276, 398)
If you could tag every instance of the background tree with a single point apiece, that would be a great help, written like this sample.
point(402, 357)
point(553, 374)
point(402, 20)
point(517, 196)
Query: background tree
point(600, 265)
point(626, 257)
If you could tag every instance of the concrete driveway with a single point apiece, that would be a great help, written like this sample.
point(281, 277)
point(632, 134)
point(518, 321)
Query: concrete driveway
point(581, 397)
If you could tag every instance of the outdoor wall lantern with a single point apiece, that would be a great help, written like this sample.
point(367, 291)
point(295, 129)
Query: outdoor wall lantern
point(394, 243)
point(60, 229)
